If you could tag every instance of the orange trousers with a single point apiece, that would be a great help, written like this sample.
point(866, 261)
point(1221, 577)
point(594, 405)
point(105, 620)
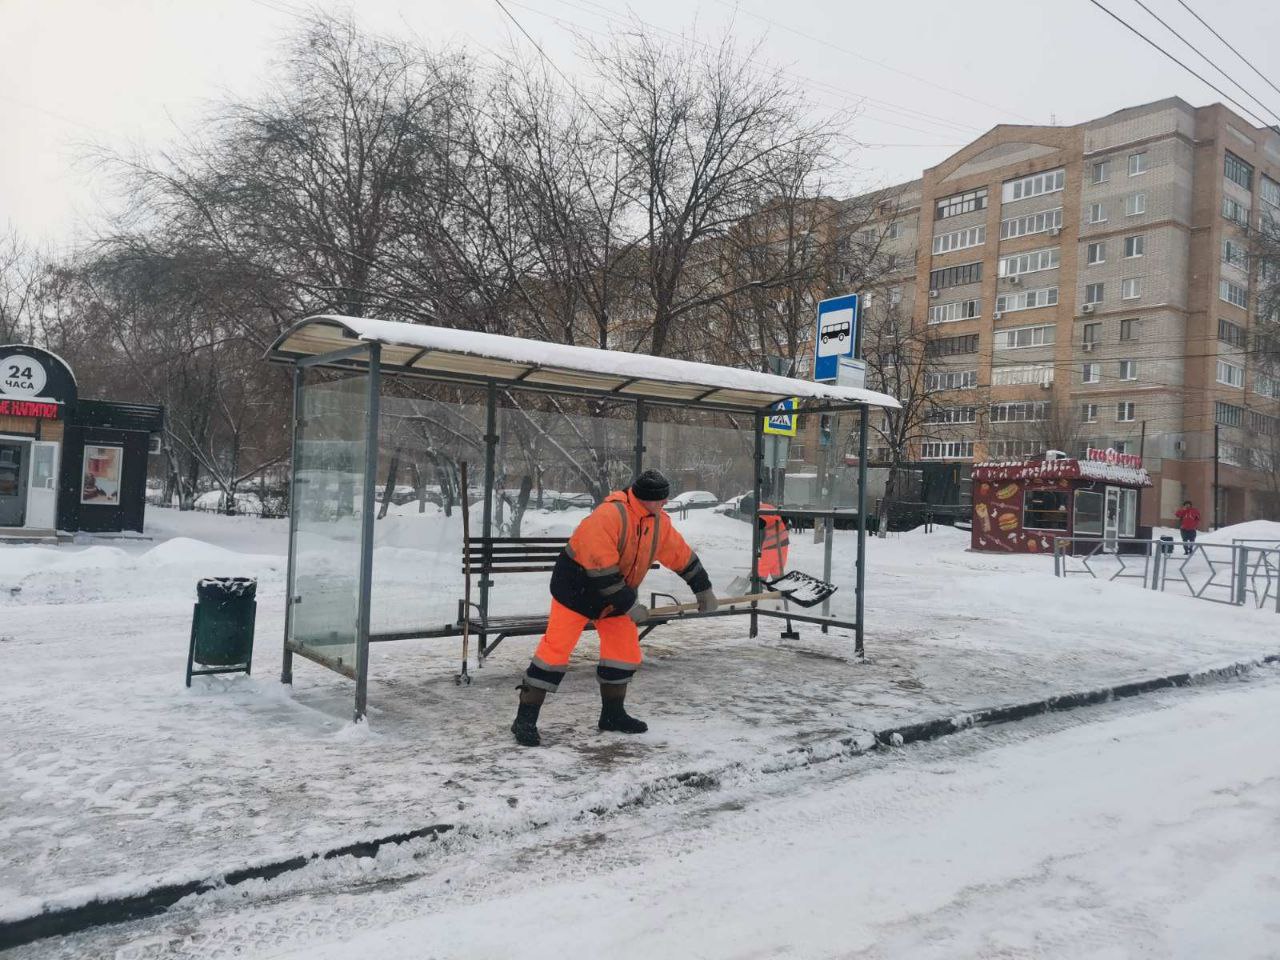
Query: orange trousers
point(620, 655)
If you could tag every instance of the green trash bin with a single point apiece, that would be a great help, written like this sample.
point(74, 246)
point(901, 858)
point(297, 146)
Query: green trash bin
point(222, 626)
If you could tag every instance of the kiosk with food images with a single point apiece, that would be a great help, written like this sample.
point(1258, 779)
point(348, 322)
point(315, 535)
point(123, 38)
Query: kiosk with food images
point(1022, 506)
point(67, 463)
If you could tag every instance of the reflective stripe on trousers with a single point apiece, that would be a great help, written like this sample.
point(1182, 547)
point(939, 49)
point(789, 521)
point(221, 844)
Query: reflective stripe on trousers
point(620, 655)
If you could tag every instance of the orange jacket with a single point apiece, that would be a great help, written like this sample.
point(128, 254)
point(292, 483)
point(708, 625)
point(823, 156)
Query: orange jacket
point(606, 559)
point(775, 544)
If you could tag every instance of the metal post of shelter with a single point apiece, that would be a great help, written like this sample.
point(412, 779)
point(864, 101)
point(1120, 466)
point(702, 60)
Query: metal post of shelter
point(286, 668)
point(639, 451)
point(366, 530)
point(490, 461)
point(861, 588)
point(755, 518)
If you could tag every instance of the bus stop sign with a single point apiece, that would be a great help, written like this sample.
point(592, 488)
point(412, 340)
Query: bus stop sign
point(837, 330)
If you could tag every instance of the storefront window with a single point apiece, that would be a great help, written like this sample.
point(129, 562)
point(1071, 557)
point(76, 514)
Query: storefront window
point(1088, 514)
point(101, 481)
point(1045, 510)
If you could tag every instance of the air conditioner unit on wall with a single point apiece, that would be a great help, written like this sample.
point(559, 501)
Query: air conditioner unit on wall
point(1046, 386)
point(1087, 346)
point(1087, 308)
point(1015, 279)
point(1180, 446)
point(997, 315)
point(1054, 231)
point(933, 294)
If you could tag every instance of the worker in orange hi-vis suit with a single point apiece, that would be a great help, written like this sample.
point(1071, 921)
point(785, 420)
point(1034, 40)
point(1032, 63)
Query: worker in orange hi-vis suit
point(775, 541)
point(596, 578)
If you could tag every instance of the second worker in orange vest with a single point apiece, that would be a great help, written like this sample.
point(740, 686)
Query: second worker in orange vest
point(596, 578)
point(775, 540)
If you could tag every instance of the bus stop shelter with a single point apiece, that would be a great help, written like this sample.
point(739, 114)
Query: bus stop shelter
point(371, 395)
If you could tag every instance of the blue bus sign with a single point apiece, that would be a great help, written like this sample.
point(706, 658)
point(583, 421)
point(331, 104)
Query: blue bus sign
point(835, 335)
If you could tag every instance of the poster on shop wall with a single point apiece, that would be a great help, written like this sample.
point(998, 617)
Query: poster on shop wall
point(998, 517)
point(101, 481)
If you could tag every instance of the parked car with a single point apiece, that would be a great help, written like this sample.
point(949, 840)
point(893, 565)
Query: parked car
point(692, 500)
point(732, 505)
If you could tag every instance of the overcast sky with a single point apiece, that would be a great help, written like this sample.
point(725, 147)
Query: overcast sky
point(924, 76)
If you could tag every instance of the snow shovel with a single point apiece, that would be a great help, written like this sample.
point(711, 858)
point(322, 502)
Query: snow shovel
point(800, 588)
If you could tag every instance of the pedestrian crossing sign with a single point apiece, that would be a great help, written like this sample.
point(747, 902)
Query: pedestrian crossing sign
point(783, 420)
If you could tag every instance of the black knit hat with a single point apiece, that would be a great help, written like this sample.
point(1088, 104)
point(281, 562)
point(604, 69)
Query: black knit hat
point(651, 485)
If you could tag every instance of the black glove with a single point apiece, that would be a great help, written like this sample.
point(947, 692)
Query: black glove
point(707, 602)
point(639, 613)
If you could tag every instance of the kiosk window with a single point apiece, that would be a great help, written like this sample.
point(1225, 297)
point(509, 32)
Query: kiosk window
point(1045, 510)
point(1088, 513)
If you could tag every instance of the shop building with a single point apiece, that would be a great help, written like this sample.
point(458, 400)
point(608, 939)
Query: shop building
point(68, 464)
point(1024, 506)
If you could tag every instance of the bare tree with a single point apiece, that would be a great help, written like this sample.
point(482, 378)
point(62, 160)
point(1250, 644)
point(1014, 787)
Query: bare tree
point(19, 281)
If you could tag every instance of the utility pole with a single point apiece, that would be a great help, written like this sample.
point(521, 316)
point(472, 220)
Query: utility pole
point(1217, 428)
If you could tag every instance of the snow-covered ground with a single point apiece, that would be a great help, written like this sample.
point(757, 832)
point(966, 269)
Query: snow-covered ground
point(114, 777)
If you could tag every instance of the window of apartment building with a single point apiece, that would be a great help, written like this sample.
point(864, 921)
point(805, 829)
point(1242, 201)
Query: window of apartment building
point(1015, 450)
point(1022, 375)
point(1131, 288)
point(1096, 253)
point(1263, 424)
point(1101, 171)
point(1135, 246)
point(1089, 412)
point(952, 415)
point(1235, 211)
point(1026, 411)
point(1269, 190)
point(1125, 411)
point(1230, 374)
point(1097, 213)
point(1266, 386)
point(893, 230)
point(1137, 163)
point(951, 380)
point(1124, 446)
point(955, 276)
point(1026, 300)
point(1093, 292)
point(1135, 204)
point(1233, 253)
point(1237, 171)
point(1233, 454)
point(1129, 328)
point(954, 311)
point(1228, 414)
point(1035, 185)
point(1128, 369)
point(1016, 338)
point(951, 346)
point(1041, 222)
point(1091, 373)
point(1233, 293)
point(895, 296)
point(960, 239)
point(1231, 333)
point(1033, 262)
point(959, 203)
point(947, 450)
point(1092, 333)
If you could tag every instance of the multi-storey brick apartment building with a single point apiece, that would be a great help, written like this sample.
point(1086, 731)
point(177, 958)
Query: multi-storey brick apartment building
point(1088, 286)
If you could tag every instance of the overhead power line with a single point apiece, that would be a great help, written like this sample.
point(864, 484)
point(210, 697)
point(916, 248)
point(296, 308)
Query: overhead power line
point(1209, 83)
point(1199, 53)
point(1230, 47)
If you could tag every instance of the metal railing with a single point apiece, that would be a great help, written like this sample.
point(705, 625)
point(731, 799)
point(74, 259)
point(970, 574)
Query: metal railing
point(1237, 573)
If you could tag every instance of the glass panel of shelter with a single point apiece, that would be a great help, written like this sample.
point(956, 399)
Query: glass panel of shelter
point(328, 489)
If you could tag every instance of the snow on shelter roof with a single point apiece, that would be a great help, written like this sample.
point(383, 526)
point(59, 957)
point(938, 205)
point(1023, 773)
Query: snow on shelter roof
point(472, 357)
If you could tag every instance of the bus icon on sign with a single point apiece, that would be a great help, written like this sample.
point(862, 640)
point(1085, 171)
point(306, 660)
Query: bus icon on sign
point(835, 329)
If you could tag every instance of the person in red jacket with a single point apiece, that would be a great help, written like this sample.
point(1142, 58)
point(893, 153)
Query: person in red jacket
point(596, 579)
point(1189, 522)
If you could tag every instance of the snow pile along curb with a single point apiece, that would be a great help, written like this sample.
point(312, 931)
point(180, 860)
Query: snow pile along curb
point(68, 919)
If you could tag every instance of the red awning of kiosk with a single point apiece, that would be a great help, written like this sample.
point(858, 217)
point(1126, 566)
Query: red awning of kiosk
point(470, 357)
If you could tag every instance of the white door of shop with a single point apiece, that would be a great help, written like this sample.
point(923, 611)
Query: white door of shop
point(42, 487)
point(1111, 520)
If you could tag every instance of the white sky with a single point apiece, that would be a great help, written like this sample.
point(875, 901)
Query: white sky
point(928, 74)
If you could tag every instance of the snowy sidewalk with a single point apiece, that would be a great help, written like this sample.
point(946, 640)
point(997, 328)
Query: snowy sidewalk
point(114, 777)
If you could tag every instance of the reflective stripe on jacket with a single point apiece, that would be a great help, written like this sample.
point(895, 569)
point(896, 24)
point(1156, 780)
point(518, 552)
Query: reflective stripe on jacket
point(600, 570)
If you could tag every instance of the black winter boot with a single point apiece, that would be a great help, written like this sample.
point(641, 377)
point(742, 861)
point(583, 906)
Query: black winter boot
point(612, 715)
point(525, 725)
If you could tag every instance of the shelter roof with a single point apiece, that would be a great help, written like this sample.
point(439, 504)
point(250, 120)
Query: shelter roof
point(469, 356)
